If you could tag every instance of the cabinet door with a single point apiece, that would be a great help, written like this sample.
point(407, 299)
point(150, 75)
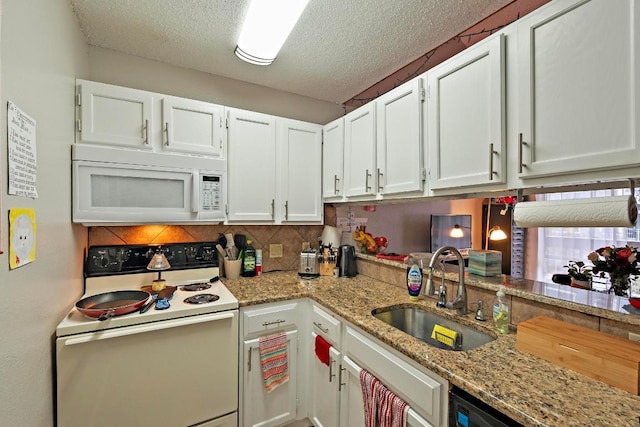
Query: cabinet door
point(466, 118)
point(352, 404)
point(262, 408)
point(399, 139)
point(333, 160)
point(360, 151)
point(325, 393)
point(578, 92)
point(252, 166)
point(114, 115)
point(301, 178)
point(192, 127)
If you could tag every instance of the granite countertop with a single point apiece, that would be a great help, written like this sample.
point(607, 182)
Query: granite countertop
point(530, 390)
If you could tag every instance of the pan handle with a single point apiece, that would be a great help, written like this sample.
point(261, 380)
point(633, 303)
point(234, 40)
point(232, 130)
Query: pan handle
point(147, 306)
point(107, 315)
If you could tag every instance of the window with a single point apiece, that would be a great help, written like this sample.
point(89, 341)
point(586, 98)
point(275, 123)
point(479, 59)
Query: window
point(557, 246)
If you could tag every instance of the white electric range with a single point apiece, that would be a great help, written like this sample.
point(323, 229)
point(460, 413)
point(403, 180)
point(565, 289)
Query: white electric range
point(108, 370)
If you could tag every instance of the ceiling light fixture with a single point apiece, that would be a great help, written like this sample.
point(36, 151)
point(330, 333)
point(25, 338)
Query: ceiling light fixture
point(265, 29)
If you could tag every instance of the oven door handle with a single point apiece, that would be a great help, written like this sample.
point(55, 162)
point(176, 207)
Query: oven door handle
point(156, 326)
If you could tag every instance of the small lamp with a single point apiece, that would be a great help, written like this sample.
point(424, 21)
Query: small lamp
point(457, 232)
point(158, 263)
point(494, 233)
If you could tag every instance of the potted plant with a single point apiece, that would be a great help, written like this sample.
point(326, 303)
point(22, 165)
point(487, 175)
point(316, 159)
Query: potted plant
point(580, 274)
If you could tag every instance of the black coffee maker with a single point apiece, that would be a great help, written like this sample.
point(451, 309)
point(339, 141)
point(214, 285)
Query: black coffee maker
point(347, 261)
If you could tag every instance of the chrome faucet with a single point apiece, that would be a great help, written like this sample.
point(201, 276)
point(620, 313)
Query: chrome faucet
point(460, 302)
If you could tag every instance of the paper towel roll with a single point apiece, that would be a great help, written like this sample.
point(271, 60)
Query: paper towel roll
point(615, 211)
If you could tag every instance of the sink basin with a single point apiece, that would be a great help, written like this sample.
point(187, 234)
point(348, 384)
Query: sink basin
point(419, 324)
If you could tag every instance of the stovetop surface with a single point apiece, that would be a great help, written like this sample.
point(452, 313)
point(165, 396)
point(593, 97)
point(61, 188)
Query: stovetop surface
point(77, 323)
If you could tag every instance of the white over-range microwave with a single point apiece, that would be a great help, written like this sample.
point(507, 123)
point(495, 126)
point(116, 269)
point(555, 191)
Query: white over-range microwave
point(119, 186)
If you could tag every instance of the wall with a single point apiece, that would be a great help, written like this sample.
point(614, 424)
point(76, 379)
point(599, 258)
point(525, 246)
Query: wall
point(42, 52)
point(112, 67)
point(407, 224)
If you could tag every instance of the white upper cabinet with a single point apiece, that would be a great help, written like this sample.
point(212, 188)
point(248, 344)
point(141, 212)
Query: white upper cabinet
point(466, 118)
point(333, 160)
point(251, 166)
point(131, 118)
point(399, 139)
point(274, 169)
point(114, 115)
point(578, 94)
point(360, 151)
point(193, 127)
point(300, 146)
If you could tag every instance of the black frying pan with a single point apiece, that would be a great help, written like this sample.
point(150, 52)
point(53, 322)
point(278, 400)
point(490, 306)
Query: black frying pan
point(109, 304)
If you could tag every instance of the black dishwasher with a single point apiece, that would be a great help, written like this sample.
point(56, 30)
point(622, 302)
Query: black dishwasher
point(468, 411)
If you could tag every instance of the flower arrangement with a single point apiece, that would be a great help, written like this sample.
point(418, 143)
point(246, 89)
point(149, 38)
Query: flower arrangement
point(619, 262)
point(579, 270)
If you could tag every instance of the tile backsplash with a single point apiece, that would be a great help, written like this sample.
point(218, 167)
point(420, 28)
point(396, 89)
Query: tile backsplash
point(290, 236)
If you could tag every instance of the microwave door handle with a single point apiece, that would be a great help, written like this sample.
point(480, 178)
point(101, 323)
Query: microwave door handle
point(195, 195)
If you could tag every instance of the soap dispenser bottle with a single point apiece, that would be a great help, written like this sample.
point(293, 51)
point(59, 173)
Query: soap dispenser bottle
point(501, 312)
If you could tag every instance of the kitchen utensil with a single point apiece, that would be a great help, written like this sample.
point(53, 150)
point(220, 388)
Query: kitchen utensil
point(166, 293)
point(240, 240)
point(110, 304)
point(347, 261)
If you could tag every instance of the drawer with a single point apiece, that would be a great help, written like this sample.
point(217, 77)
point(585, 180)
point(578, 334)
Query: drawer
point(326, 325)
point(271, 318)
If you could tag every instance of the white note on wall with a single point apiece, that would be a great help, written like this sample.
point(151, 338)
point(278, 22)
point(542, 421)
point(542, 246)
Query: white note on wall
point(21, 147)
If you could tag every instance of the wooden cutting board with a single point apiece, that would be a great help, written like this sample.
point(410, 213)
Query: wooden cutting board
point(607, 358)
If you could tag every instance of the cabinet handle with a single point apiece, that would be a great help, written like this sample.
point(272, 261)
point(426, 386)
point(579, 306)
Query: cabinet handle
point(491, 153)
point(273, 208)
point(340, 383)
point(249, 362)
point(286, 210)
point(380, 175)
point(319, 326)
point(146, 132)
point(275, 322)
point(367, 187)
point(521, 143)
point(331, 374)
point(335, 184)
point(166, 131)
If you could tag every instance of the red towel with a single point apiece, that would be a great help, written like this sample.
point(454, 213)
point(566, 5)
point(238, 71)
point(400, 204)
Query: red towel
point(322, 350)
point(382, 408)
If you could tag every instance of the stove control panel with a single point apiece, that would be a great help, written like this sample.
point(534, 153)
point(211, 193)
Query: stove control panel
point(121, 259)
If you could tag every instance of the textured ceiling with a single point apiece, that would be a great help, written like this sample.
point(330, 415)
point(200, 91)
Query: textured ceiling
point(338, 48)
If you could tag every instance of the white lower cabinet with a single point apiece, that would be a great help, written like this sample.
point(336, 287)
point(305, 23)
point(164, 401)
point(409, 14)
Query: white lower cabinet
point(336, 396)
point(259, 407)
point(353, 404)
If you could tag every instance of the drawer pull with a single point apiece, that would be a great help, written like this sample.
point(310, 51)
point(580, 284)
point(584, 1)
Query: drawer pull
point(367, 187)
point(340, 383)
point(335, 183)
point(380, 186)
point(319, 326)
point(249, 362)
point(275, 322)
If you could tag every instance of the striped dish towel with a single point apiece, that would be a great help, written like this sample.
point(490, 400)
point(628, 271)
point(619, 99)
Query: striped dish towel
point(382, 408)
point(274, 360)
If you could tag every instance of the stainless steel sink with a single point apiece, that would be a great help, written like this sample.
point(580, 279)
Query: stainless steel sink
point(419, 323)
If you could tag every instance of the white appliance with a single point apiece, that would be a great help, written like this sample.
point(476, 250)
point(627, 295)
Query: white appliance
point(122, 186)
point(172, 367)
